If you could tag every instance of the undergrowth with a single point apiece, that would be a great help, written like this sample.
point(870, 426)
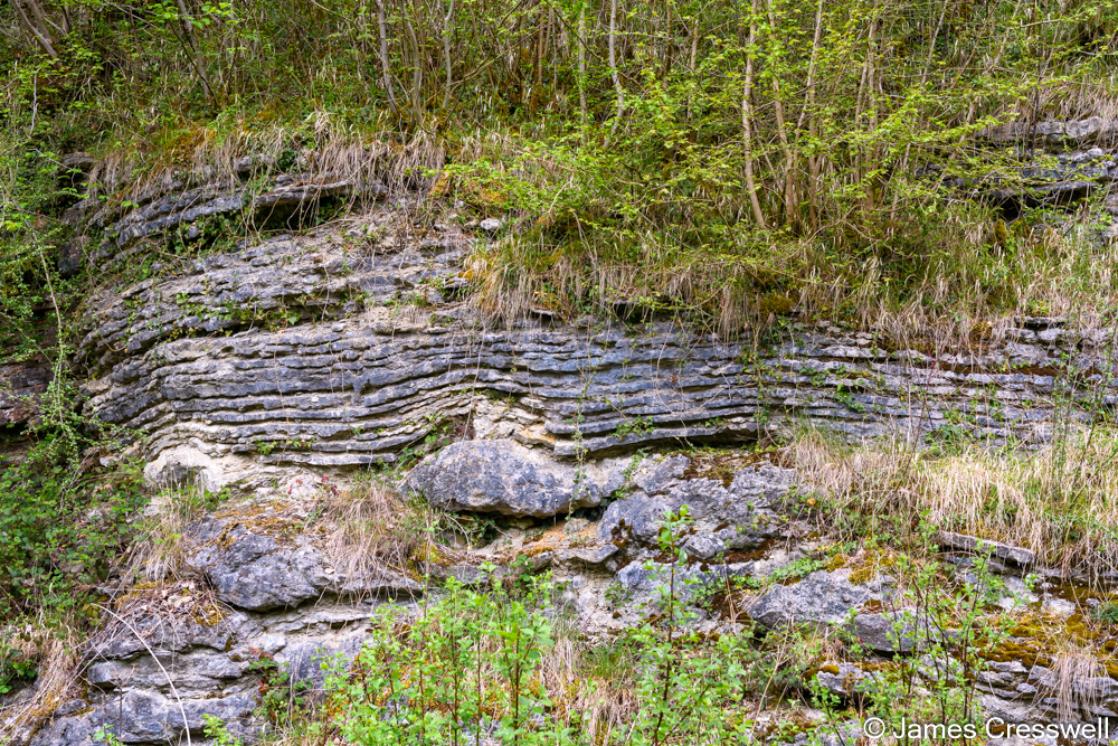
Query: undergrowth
point(63, 527)
point(1059, 501)
point(727, 163)
point(500, 661)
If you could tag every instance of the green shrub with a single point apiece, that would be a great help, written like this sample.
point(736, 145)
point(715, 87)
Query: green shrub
point(15, 667)
point(61, 528)
point(484, 661)
point(725, 161)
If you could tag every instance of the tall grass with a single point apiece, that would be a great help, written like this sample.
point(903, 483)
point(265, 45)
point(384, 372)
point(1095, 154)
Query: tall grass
point(733, 163)
point(1059, 501)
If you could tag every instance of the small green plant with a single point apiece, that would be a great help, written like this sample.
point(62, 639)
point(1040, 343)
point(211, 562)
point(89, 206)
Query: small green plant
point(60, 528)
point(845, 397)
point(282, 701)
point(627, 474)
point(1107, 612)
point(15, 667)
point(686, 684)
point(641, 425)
point(795, 570)
point(466, 664)
point(480, 662)
point(953, 625)
point(104, 734)
point(213, 727)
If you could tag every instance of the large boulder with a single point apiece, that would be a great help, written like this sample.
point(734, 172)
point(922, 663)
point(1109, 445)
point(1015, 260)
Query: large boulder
point(821, 598)
point(725, 518)
point(503, 476)
point(253, 565)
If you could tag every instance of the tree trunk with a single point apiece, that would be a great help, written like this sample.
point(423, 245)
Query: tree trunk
point(42, 36)
point(582, 110)
point(448, 19)
point(613, 71)
point(747, 120)
point(385, 74)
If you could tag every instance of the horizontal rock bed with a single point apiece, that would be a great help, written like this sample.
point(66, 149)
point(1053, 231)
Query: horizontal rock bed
point(267, 590)
point(194, 361)
point(261, 368)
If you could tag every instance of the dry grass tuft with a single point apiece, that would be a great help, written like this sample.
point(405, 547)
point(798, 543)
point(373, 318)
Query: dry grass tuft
point(322, 150)
point(972, 280)
point(56, 652)
point(162, 556)
point(599, 694)
point(1060, 501)
point(1075, 682)
point(369, 528)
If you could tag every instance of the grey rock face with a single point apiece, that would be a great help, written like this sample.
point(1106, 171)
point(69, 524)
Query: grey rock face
point(177, 619)
point(199, 671)
point(502, 476)
point(328, 350)
point(822, 597)
point(21, 384)
point(843, 679)
point(1018, 556)
point(203, 656)
point(885, 633)
point(320, 351)
point(1034, 692)
point(346, 386)
point(254, 571)
point(723, 518)
point(642, 582)
point(145, 717)
point(1084, 131)
point(65, 729)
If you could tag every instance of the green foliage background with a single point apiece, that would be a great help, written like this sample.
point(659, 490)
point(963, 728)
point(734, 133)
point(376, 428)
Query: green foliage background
point(731, 160)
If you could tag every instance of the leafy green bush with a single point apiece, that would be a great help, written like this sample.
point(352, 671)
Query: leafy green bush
point(1106, 612)
point(15, 667)
point(31, 196)
point(60, 528)
point(470, 662)
point(487, 661)
point(726, 161)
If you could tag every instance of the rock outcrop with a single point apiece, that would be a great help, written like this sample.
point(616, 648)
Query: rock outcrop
point(503, 476)
point(21, 385)
point(344, 344)
point(311, 350)
point(820, 598)
point(259, 368)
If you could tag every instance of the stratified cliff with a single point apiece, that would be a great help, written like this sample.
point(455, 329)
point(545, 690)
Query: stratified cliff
point(269, 370)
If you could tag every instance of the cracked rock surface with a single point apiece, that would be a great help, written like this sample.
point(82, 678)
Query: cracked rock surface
point(264, 368)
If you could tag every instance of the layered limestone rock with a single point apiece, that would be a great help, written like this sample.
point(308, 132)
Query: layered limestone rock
point(343, 345)
point(260, 368)
point(325, 351)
